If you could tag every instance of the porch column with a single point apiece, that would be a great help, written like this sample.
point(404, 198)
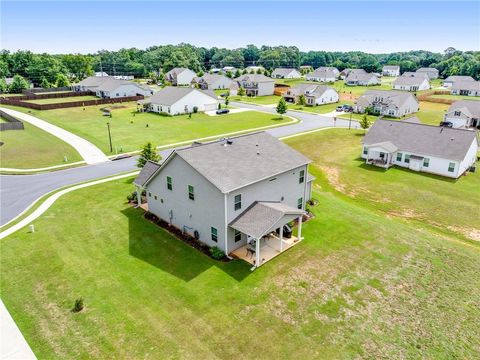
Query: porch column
point(139, 197)
point(300, 227)
point(257, 252)
point(281, 238)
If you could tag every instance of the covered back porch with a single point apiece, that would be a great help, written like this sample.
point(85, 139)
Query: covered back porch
point(381, 154)
point(264, 223)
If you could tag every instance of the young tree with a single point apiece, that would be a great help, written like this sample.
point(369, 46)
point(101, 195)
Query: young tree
point(364, 123)
point(227, 100)
point(18, 84)
point(241, 91)
point(62, 80)
point(3, 86)
point(148, 153)
point(282, 106)
point(238, 73)
point(301, 100)
point(200, 73)
point(44, 83)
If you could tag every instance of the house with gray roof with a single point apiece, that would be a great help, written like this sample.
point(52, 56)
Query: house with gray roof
point(356, 78)
point(449, 81)
point(212, 82)
point(466, 88)
point(431, 72)
point(314, 94)
point(180, 76)
point(464, 114)
point(345, 72)
point(322, 75)
point(90, 83)
point(256, 84)
point(252, 186)
point(113, 88)
point(174, 100)
point(387, 103)
point(419, 147)
point(391, 70)
point(329, 68)
point(411, 83)
point(286, 73)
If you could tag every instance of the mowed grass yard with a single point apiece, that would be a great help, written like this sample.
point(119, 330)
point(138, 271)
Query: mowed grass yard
point(33, 148)
point(130, 132)
point(63, 99)
point(361, 284)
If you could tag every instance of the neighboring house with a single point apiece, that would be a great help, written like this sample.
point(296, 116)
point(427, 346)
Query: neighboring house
point(416, 74)
point(345, 72)
point(464, 114)
point(387, 103)
point(329, 68)
point(180, 76)
point(411, 83)
point(229, 68)
point(256, 84)
point(361, 79)
point(233, 89)
point(113, 89)
point(101, 73)
point(322, 75)
point(90, 83)
point(231, 192)
point(431, 72)
point(286, 73)
point(419, 147)
point(212, 82)
point(314, 94)
point(449, 81)
point(180, 100)
point(466, 88)
point(391, 70)
point(254, 69)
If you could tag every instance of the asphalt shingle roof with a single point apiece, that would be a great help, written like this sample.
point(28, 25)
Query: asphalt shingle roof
point(468, 107)
point(466, 85)
point(146, 173)
point(409, 80)
point(446, 143)
point(169, 95)
point(397, 98)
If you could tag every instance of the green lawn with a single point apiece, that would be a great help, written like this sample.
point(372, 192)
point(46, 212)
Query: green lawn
point(456, 97)
point(361, 284)
point(261, 100)
point(34, 148)
point(130, 132)
point(63, 100)
point(321, 109)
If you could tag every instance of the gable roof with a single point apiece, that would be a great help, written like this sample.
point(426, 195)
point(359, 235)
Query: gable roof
point(359, 76)
point(112, 84)
point(327, 68)
point(257, 78)
point(146, 173)
point(326, 73)
point(169, 95)
point(453, 78)
point(415, 74)
point(397, 98)
point(209, 78)
point(466, 85)
point(176, 71)
point(409, 80)
point(283, 71)
point(470, 108)
point(236, 162)
point(391, 67)
point(93, 81)
point(427, 69)
point(260, 217)
point(309, 89)
point(446, 143)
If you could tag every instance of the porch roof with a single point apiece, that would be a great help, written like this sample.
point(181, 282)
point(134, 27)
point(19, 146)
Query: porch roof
point(387, 145)
point(261, 217)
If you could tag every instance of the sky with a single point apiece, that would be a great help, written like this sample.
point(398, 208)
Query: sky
point(376, 27)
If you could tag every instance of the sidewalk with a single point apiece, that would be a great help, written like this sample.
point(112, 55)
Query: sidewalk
point(89, 152)
point(13, 345)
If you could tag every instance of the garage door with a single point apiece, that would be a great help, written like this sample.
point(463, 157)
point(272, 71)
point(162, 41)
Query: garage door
point(210, 107)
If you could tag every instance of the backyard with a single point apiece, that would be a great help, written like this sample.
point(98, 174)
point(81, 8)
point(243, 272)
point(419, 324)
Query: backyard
point(131, 130)
point(63, 99)
point(33, 148)
point(365, 283)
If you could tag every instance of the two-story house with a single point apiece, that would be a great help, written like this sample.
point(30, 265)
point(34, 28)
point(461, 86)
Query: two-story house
point(387, 103)
point(391, 70)
point(180, 76)
point(212, 82)
point(256, 84)
point(236, 193)
point(411, 83)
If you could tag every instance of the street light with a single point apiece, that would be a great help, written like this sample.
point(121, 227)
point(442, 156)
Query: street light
point(109, 136)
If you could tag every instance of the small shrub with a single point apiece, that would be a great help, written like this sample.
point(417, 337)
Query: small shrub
point(195, 109)
point(78, 306)
point(216, 253)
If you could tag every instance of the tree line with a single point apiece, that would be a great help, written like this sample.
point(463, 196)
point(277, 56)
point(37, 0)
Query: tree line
point(49, 70)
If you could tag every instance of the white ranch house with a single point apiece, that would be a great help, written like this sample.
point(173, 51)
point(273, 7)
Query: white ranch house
point(431, 72)
point(466, 88)
point(180, 100)
point(449, 81)
point(212, 82)
point(411, 83)
point(314, 94)
point(286, 73)
point(361, 79)
point(464, 114)
point(252, 185)
point(180, 76)
point(322, 75)
point(391, 70)
point(387, 103)
point(419, 147)
point(107, 87)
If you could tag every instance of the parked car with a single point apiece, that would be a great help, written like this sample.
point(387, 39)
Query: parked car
point(339, 108)
point(222, 111)
point(446, 124)
point(347, 108)
point(224, 94)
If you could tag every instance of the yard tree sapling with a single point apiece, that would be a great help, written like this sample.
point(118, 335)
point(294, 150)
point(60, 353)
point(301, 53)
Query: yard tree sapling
point(364, 123)
point(149, 152)
point(301, 100)
point(282, 106)
point(241, 91)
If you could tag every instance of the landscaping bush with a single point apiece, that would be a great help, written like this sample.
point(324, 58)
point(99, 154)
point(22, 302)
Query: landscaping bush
point(216, 253)
point(195, 109)
point(78, 306)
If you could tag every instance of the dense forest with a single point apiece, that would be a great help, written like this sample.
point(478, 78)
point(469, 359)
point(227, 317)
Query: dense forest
point(47, 70)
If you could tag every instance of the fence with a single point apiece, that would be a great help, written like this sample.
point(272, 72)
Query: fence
point(427, 96)
point(50, 96)
point(69, 104)
point(35, 91)
point(12, 122)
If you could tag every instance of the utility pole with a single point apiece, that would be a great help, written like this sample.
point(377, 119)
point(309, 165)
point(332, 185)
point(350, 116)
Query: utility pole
point(109, 137)
point(350, 122)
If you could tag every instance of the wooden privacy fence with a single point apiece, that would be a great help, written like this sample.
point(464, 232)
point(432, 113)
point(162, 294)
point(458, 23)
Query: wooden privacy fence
point(12, 122)
point(427, 96)
point(69, 104)
point(32, 96)
point(34, 91)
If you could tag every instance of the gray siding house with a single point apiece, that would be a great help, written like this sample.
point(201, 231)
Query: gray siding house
point(387, 103)
point(231, 193)
point(391, 70)
point(464, 114)
point(256, 84)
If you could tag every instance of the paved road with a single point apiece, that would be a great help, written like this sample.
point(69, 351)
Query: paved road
point(89, 152)
point(17, 192)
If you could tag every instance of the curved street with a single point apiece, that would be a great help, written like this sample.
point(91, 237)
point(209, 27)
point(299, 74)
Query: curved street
point(18, 192)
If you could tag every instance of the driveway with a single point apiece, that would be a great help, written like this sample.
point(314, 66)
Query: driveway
point(89, 152)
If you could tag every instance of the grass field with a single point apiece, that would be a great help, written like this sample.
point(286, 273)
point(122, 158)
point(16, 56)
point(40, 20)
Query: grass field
point(33, 148)
point(261, 100)
point(365, 283)
point(63, 100)
point(130, 132)
point(456, 97)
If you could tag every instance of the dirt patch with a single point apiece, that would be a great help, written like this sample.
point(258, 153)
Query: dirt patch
point(472, 234)
point(404, 213)
point(348, 97)
point(333, 177)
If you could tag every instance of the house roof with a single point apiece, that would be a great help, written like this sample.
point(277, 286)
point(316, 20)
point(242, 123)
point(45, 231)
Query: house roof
point(353, 71)
point(283, 71)
point(257, 78)
point(310, 89)
point(146, 173)
point(423, 75)
point(176, 71)
point(322, 73)
point(259, 218)
point(454, 78)
point(94, 80)
point(112, 84)
point(409, 80)
point(427, 69)
point(470, 108)
point(397, 98)
point(387, 145)
point(466, 85)
point(328, 68)
point(169, 95)
point(236, 162)
point(209, 78)
point(391, 67)
point(359, 76)
point(421, 139)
